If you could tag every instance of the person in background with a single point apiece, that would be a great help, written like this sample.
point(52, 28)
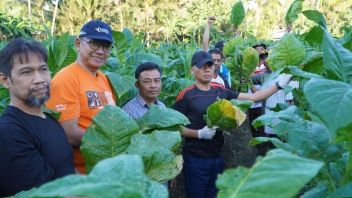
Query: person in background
point(33, 146)
point(81, 90)
point(202, 147)
point(148, 76)
point(257, 109)
point(218, 61)
point(223, 70)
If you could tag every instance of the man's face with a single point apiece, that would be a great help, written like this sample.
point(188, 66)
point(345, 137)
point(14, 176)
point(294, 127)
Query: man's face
point(260, 49)
point(149, 84)
point(29, 83)
point(93, 53)
point(217, 61)
point(203, 74)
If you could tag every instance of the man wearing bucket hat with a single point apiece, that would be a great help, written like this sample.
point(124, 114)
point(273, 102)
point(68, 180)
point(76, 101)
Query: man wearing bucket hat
point(202, 147)
point(80, 90)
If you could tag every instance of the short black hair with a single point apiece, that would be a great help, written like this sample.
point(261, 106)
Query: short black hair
point(216, 51)
point(19, 46)
point(146, 67)
point(219, 45)
point(259, 45)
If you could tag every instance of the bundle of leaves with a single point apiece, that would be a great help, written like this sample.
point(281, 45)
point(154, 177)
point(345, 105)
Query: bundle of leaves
point(225, 115)
point(121, 176)
point(113, 132)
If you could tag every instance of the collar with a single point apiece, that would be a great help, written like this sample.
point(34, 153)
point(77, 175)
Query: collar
point(141, 101)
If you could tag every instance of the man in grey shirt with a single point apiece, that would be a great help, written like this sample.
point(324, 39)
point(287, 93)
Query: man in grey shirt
point(148, 76)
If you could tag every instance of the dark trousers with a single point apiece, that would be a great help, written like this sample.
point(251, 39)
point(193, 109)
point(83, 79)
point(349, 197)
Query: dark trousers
point(200, 175)
point(254, 113)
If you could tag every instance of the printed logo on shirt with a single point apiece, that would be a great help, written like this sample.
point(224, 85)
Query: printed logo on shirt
point(99, 99)
point(60, 107)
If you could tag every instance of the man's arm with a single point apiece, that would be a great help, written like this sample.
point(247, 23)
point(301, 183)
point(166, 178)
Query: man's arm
point(206, 33)
point(189, 133)
point(284, 79)
point(258, 95)
point(73, 132)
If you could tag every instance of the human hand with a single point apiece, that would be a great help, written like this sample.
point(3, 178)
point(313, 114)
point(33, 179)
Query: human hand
point(206, 132)
point(284, 79)
point(211, 20)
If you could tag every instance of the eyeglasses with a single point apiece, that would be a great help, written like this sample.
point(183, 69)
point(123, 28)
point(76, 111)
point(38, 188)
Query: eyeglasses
point(217, 60)
point(94, 45)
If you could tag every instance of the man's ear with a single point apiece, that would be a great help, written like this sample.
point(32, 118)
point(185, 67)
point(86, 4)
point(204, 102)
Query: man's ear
point(192, 71)
point(77, 43)
point(136, 84)
point(4, 80)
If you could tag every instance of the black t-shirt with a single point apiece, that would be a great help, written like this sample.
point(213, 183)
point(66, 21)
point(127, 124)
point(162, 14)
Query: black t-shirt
point(33, 151)
point(193, 103)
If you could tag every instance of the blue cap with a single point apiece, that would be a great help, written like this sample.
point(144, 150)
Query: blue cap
point(201, 58)
point(96, 29)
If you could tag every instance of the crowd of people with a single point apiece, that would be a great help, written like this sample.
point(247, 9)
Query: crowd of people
point(35, 148)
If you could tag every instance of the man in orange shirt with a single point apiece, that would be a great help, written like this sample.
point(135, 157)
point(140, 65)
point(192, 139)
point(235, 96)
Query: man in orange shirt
point(80, 90)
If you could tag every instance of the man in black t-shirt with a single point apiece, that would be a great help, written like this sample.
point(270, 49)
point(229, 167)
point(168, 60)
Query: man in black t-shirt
point(33, 146)
point(202, 147)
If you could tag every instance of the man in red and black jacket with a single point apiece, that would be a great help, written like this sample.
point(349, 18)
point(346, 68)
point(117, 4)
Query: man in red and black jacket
point(202, 147)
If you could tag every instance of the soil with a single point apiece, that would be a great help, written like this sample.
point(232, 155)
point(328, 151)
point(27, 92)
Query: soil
point(236, 152)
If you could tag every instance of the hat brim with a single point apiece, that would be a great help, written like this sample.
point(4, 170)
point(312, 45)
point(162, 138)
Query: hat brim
point(98, 37)
point(204, 62)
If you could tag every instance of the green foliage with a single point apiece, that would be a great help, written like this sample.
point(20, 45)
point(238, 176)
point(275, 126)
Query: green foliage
point(159, 149)
point(286, 171)
point(159, 152)
point(121, 176)
point(237, 14)
point(288, 51)
point(293, 11)
point(315, 16)
point(12, 27)
point(161, 118)
point(104, 139)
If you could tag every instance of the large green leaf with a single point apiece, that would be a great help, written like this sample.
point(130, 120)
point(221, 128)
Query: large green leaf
point(161, 118)
point(120, 176)
point(315, 35)
point(121, 84)
point(279, 174)
point(298, 72)
point(313, 63)
point(331, 101)
point(237, 14)
point(288, 51)
point(343, 191)
point(337, 59)
point(293, 11)
point(158, 151)
point(108, 135)
point(315, 16)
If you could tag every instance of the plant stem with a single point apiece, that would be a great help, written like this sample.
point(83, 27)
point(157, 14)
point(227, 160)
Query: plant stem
point(348, 171)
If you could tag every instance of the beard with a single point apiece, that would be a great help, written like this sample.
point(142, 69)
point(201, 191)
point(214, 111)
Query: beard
point(34, 101)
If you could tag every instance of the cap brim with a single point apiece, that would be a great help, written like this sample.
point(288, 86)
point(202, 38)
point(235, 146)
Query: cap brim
point(100, 38)
point(204, 62)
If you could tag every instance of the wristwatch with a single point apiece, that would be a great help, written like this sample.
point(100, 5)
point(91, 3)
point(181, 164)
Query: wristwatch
point(278, 86)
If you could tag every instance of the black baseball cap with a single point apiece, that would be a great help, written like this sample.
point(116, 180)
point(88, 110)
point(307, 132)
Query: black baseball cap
point(201, 58)
point(97, 29)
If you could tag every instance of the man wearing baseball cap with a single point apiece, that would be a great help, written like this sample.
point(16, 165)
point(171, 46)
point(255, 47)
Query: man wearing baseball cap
point(80, 90)
point(202, 147)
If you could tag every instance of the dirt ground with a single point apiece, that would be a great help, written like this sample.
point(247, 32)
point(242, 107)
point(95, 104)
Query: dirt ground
point(236, 152)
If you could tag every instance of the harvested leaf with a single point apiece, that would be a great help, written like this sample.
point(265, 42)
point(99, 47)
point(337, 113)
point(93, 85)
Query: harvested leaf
point(225, 115)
